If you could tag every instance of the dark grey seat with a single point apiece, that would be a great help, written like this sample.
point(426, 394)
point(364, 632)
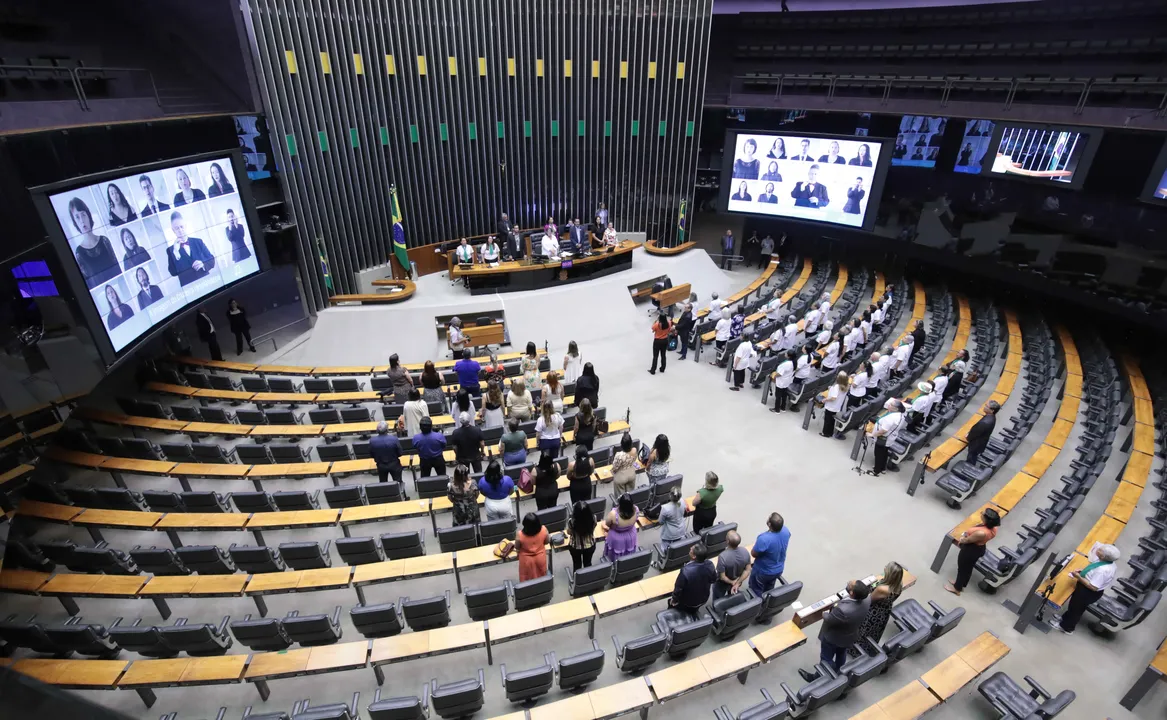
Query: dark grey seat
point(553, 518)
point(163, 501)
point(206, 559)
point(779, 598)
point(252, 383)
point(101, 559)
point(324, 416)
point(141, 449)
point(317, 385)
point(329, 711)
point(359, 550)
point(347, 385)
point(345, 496)
point(824, 689)
point(306, 555)
point(432, 486)
point(715, 537)
point(210, 452)
point(635, 655)
point(910, 614)
point(336, 452)
point(733, 613)
point(159, 561)
point(83, 639)
point(870, 662)
point(199, 640)
point(526, 685)
point(401, 545)
point(585, 581)
point(355, 415)
point(631, 567)
point(296, 500)
point(490, 533)
point(376, 621)
point(768, 709)
point(409, 707)
point(428, 613)
point(1007, 697)
point(385, 492)
point(683, 630)
point(457, 699)
point(290, 453)
point(217, 415)
point(262, 635)
point(145, 640)
point(905, 643)
point(255, 558)
point(222, 382)
point(283, 417)
point(313, 630)
point(675, 555)
point(252, 501)
point(580, 670)
point(487, 603)
point(459, 537)
point(30, 635)
point(205, 501)
point(662, 488)
point(532, 593)
point(252, 417)
point(283, 385)
point(117, 498)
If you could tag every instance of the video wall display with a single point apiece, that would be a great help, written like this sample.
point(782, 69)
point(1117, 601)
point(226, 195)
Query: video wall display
point(255, 143)
point(1156, 188)
point(829, 179)
point(974, 146)
point(148, 244)
point(1049, 154)
point(918, 141)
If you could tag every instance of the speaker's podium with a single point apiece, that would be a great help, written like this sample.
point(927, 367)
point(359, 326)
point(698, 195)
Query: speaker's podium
point(485, 335)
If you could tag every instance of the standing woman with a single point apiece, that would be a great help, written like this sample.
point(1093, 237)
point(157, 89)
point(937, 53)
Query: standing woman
point(672, 518)
point(658, 459)
point(622, 529)
point(431, 383)
point(624, 468)
point(513, 444)
point(413, 411)
point(520, 404)
point(572, 363)
point(532, 543)
point(546, 483)
point(492, 406)
point(1090, 584)
point(705, 503)
point(579, 473)
point(833, 403)
point(553, 391)
point(497, 488)
point(857, 390)
point(463, 495)
point(887, 590)
point(549, 430)
point(585, 426)
point(529, 366)
point(400, 377)
point(661, 329)
point(463, 407)
point(581, 535)
point(587, 387)
point(972, 544)
point(455, 338)
point(237, 321)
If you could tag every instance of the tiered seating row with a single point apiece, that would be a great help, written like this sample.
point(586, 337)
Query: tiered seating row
point(325, 370)
point(794, 289)
point(836, 292)
point(751, 288)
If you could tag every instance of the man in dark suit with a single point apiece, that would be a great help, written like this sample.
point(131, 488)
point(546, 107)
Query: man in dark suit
point(918, 338)
point(505, 227)
point(386, 453)
point(153, 205)
point(727, 250)
point(804, 154)
point(812, 193)
point(207, 333)
point(579, 238)
point(979, 434)
point(841, 627)
point(188, 259)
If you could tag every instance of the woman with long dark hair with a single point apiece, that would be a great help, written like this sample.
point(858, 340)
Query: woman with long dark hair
point(581, 535)
point(135, 254)
point(579, 474)
point(585, 426)
point(431, 383)
point(661, 330)
point(887, 590)
point(219, 185)
point(400, 378)
point(120, 211)
point(498, 489)
point(237, 320)
point(587, 387)
point(529, 366)
point(972, 544)
point(658, 459)
point(119, 312)
point(531, 541)
point(546, 483)
point(463, 495)
point(622, 529)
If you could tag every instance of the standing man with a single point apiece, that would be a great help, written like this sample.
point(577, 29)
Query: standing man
point(841, 626)
point(918, 337)
point(885, 431)
point(468, 369)
point(579, 238)
point(766, 251)
point(752, 249)
point(685, 328)
point(206, 330)
point(694, 582)
point(386, 453)
point(727, 250)
point(430, 446)
point(979, 434)
point(769, 555)
point(733, 567)
point(505, 226)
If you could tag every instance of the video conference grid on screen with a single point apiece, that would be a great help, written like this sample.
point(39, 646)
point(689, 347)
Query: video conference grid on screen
point(1041, 153)
point(918, 141)
point(150, 243)
point(974, 146)
point(823, 179)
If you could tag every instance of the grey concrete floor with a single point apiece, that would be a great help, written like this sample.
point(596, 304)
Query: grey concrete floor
point(844, 525)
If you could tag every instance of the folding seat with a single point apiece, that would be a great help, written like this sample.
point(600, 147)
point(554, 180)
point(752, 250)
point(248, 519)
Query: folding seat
point(206, 559)
point(255, 559)
point(490, 533)
point(359, 550)
point(178, 452)
point(487, 603)
point(204, 501)
point(199, 640)
point(778, 599)
point(343, 496)
point(145, 640)
point(283, 417)
point(401, 545)
point(385, 492)
point(210, 452)
point(683, 630)
point(432, 486)
point(580, 670)
point(525, 685)
point(631, 567)
point(317, 385)
point(324, 416)
point(733, 613)
point(306, 555)
point(337, 452)
point(217, 415)
point(296, 500)
point(428, 613)
point(585, 581)
point(262, 635)
point(313, 630)
point(222, 382)
point(141, 449)
point(159, 561)
point(377, 621)
point(252, 383)
point(532, 593)
point(253, 454)
point(253, 501)
point(283, 385)
point(675, 555)
point(1010, 700)
point(553, 518)
point(117, 498)
point(459, 537)
point(457, 699)
point(637, 654)
point(83, 639)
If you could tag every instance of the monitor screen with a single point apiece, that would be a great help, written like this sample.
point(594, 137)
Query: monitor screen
point(829, 179)
point(918, 141)
point(1156, 188)
point(256, 146)
point(1043, 153)
point(973, 146)
point(150, 242)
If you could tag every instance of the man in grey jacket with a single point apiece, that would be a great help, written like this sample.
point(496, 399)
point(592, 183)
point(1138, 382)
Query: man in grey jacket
point(841, 626)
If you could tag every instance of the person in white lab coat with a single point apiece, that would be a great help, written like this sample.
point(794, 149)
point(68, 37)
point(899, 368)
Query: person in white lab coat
point(783, 378)
point(921, 406)
point(824, 337)
point(715, 307)
point(858, 388)
point(831, 356)
point(743, 357)
point(835, 397)
point(886, 430)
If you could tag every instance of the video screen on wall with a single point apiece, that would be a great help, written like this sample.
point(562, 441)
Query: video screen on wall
point(974, 146)
point(830, 179)
point(150, 243)
point(1050, 154)
point(918, 141)
point(1156, 188)
point(255, 143)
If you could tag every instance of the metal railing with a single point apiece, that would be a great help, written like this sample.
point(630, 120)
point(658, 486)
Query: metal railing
point(75, 74)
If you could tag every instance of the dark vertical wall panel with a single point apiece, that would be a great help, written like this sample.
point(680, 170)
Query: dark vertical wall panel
point(457, 182)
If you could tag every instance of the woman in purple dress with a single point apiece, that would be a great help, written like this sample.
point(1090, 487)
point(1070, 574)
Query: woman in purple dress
point(622, 529)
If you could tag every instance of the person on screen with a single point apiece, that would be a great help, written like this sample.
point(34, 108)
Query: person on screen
point(188, 259)
point(804, 154)
point(901, 148)
point(965, 155)
point(186, 194)
point(772, 173)
point(863, 158)
point(235, 236)
point(855, 194)
point(918, 154)
point(832, 155)
point(135, 253)
point(743, 193)
point(777, 150)
point(153, 205)
point(747, 165)
point(94, 252)
point(934, 140)
point(1059, 150)
point(768, 196)
point(149, 292)
point(812, 193)
point(219, 185)
point(932, 152)
point(119, 312)
point(120, 211)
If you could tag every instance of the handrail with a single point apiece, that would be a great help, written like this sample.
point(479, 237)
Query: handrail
point(75, 76)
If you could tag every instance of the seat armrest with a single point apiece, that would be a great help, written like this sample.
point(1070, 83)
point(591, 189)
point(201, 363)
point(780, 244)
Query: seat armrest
point(616, 643)
point(790, 695)
point(447, 594)
point(223, 624)
point(1038, 693)
point(502, 671)
point(937, 611)
point(481, 679)
point(336, 616)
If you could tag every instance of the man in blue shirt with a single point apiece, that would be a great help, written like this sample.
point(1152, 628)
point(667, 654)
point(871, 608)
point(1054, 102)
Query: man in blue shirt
point(429, 446)
point(386, 453)
point(769, 556)
point(467, 369)
point(694, 582)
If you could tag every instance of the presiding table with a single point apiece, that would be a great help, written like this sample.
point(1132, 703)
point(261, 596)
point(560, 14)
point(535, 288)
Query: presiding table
point(527, 274)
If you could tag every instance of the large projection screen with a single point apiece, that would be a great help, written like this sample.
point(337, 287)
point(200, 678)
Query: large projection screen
point(142, 244)
point(832, 179)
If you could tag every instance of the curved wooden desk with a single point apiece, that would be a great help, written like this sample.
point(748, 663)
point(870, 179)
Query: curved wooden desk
point(653, 247)
point(407, 288)
point(527, 275)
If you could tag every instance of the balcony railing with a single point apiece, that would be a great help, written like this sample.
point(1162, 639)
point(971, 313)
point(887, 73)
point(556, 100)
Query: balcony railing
point(129, 77)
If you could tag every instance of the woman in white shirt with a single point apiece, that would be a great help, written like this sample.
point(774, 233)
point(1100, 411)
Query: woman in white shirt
point(824, 337)
point(743, 357)
point(790, 338)
point(940, 382)
point(812, 321)
point(455, 340)
point(572, 363)
point(1091, 582)
point(921, 406)
point(900, 357)
point(836, 396)
point(858, 388)
point(774, 307)
point(413, 411)
point(831, 358)
point(549, 430)
point(715, 307)
point(610, 236)
point(721, 337)
point(783, 378)
point(490, 250)
point(464, 255)
point(553, 391)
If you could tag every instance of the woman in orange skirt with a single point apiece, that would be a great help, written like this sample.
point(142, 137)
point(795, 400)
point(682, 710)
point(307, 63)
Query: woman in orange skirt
point(532, 544)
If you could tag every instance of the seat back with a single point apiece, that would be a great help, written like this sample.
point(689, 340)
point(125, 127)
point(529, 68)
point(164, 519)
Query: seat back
point(459, 537)
point(333, 453)
point(159, 561)
point(163, 501)
point(256, 558)
point(676, 554)
point(140, 448)
point(143, 639)
point(585, 581)
point(533, 593)
point(217, 415)
point(252, 417)
point(553, 518)
point(197, 380)
point(206, 559)
point(490, 533)
point(779, 598)
point(201, 640)
point(392, 411)
point(178, 452)
point(281, 385)
point(205, 501)
point(820, 692)
point(282, 417)
point(110, 445)
point(253, 502)
point(714, 537)
point(641, 496)
point(399, 708)
point(733, 614)
point(432, 486)
point(426, 614)
point(104, 560)
point(253, 454)
point(262, 635)
point(317, 385)
point(305, 555)
point(312, 630)
point(685, 635)
point(117, 498)
point(208, 452)
point(346, 385)
point(457, 699)
point(356, 414)
point(83, 497)
point(662, 488)
point(580, 670)
point(251, 383)
point(398, 546)
point(344, 496)
point(295, 500)
point(287, 453)
point(389, 491)
point(30, 635)
point(222, 382)
point(641, 652)
point(84, 639)
point(376, 621)
point(487, 603)
point(526, 684)
point(631, 567)
point(906, 642)
point(359, 550)
point(324, 416)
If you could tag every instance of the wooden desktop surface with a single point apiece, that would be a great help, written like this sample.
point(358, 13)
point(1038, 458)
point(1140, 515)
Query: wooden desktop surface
point(514, 266)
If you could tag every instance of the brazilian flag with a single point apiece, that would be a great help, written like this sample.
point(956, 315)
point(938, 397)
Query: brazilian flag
point(399, 248)
point(681, 222)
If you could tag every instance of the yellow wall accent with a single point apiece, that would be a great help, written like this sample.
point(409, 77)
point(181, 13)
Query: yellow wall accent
point(325, 63)
point(390, 65)
point(290, 59)
point(421, 65)
point(566, 68)
point(482, 67)
point(539, 67)
point(453, 63)
point(595, 68)
point(511, 67)
point(680, 71)
point(623, 69)
point(652, 69)
point(358, 64)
